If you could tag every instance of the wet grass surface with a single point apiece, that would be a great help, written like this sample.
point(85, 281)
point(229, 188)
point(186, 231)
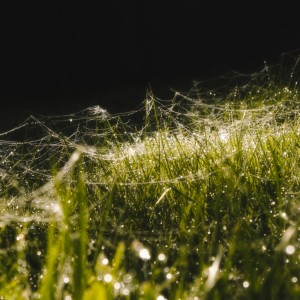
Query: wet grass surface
point(198, 200)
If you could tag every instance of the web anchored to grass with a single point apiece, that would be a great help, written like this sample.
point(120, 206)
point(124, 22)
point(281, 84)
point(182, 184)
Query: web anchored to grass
point(196, 197)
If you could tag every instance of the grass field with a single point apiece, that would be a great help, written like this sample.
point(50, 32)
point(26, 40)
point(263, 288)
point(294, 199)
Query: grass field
point(196, 199)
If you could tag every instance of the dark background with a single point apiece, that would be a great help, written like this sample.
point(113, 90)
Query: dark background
point(62, 56)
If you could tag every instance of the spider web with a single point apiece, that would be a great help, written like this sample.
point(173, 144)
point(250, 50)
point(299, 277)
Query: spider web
point(29, 151)
point(132, 161)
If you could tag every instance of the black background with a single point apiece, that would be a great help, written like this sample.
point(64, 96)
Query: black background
point(62, 56)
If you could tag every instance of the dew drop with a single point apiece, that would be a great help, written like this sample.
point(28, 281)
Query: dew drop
point(66, 279)
point(161, 297)
point(290, 250)
point(162, 257)
point(20, 237)
point(246, 284)
point(107, 278)
point(144, 254)
point(284, 215)
point(127, 278)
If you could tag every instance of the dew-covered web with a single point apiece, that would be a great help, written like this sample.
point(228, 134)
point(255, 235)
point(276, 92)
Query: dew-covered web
point(135, 164)
point(32, 152)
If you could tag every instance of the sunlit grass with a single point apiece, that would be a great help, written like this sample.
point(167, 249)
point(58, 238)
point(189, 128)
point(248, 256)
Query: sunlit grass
point(200, 200)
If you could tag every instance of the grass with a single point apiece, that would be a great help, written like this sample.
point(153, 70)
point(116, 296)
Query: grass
point(200, 200)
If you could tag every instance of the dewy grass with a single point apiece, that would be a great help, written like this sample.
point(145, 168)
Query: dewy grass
point(198, 201)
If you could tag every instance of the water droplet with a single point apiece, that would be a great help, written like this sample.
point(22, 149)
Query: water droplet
point(20, 237)
point(144, 254)
point(161, 297)
point(284, 216)
point(66, 279)
point(246, 284)
point(117, 285)
point(169, 276)
point(104, 261)
point(294, 279)
point(127, 278)
point(161, 257)
point(68, 297)
point(290, 250)
point(107, 278)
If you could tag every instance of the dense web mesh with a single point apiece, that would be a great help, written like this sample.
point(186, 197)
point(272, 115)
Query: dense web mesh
point(42, 159)
point(95, 126)
point(32, 152)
